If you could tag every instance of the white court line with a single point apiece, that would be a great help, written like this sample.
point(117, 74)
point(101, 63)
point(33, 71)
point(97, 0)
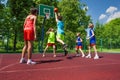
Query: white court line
point(28, 70)
point(46, 69)
point(7, 66)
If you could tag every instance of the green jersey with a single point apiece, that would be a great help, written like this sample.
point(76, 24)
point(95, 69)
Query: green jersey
point(51, 37)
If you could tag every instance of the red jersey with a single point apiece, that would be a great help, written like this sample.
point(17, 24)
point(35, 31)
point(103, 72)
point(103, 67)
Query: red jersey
point(29, 29)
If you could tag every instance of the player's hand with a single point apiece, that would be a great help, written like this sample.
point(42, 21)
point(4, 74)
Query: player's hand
point(87, 38)
point(35, 38)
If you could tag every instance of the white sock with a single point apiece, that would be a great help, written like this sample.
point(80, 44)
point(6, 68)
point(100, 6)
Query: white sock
point(29, 60)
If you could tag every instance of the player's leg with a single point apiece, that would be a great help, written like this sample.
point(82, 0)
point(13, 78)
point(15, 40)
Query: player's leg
point(54, 51)
point(89, 52)
point(83, 55)
point(96, 54)
point(30, 53)
point(60, 41)
point(45, 51)
point(76, 49)
point(22, 60)
point(30, 49)
point(60, 38)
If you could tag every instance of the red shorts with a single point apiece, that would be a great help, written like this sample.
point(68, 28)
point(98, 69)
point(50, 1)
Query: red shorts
point(92, 44)
point(28, 35)
point(51, 44)
point(78, 47)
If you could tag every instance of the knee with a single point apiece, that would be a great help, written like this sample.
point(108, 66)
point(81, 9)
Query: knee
point(29, 47)
point(88, 47)
point(25, 46)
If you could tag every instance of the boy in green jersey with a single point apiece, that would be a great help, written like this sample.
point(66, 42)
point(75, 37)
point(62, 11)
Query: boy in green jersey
point(51, 41)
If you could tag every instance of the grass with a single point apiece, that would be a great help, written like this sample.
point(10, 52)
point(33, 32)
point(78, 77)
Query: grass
point(60, 50)
point(110, 50)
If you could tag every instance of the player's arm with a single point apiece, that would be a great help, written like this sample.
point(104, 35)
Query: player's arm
point(56, 17)
point(34, 24)
point(81, 40)
point(25, 22)
point(48, 31)
point(76, 41)
point(92, 34)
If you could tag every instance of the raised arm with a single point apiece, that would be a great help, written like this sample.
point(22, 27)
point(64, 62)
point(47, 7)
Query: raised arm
point(56, 17)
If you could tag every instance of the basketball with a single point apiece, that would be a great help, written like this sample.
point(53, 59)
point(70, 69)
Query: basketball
point(55, 9)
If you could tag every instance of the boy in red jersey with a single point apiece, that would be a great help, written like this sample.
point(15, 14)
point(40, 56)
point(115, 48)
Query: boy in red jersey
point(29, 35)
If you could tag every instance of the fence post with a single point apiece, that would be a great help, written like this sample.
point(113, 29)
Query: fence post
point(84, 44)
point(101, 44)
point(42, 36)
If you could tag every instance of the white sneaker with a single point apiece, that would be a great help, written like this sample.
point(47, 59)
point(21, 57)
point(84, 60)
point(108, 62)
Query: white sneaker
point(83, 55)
point(43, 55)
point(77, 55)
point(88, 56)
point(54, 55)
point(22, 60)
point(31, 62)
point(96, 57)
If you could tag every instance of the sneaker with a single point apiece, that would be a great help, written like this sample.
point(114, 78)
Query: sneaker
point(54, 55)
point(77, 55)
point(22, 60)
point(65, 52)
point(83, 55)
point(31, 62)
point(88, 56)
point(96, 57)
point(64, 46)
point(43, 55)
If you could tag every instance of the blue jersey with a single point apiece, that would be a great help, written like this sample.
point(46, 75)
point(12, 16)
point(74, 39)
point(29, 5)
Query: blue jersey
point(79, 43)
point(60, 27)
point(92, 39)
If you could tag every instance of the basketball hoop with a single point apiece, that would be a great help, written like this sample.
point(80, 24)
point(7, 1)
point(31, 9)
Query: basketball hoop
point(47, 15)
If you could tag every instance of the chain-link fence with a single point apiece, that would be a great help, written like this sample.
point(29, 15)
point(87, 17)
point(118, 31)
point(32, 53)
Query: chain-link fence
point(6, 44)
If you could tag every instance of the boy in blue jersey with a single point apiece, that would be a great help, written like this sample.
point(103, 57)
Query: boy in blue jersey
point(79, 46)
point(92, 41)
point(60, 31)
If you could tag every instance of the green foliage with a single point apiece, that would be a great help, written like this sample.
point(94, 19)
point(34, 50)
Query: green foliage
point(109, 33)
point(1, 6)
point(20, 8)
point(13, 16)
point(74, 16)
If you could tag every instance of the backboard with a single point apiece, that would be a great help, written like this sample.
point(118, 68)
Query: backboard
point(45, 9)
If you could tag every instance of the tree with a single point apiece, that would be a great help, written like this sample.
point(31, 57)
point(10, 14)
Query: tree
point(109, 33)
point(112, 31)
point(75, 18)
point(73, 14)
point(19, 10)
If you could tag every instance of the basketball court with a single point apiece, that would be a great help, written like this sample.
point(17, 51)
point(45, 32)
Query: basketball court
point(60, 68)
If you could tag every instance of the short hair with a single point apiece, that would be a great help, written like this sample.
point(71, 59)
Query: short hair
point(78, 34)
point(50, 29)
point(91, 25)
point(59, 18)
point(33, 11)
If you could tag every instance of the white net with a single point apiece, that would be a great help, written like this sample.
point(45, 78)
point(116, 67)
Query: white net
point(47, 15)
